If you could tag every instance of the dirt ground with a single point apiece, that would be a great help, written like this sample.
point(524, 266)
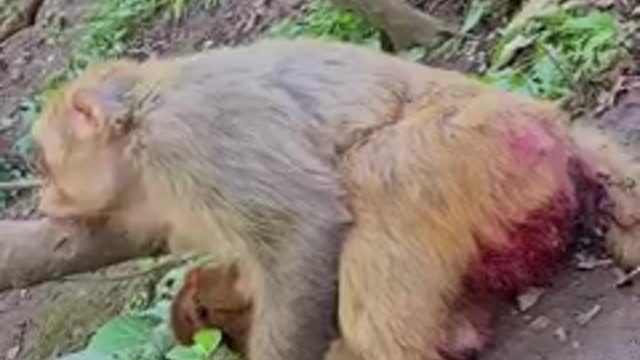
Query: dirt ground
point(555, 328)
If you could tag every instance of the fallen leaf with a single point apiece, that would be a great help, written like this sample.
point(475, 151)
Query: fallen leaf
point(561, 334)
point(540, 323)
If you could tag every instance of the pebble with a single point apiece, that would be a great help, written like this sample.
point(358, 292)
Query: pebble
point(13, 352)
point(540, 323)
point(561, 334)
point(529, 298)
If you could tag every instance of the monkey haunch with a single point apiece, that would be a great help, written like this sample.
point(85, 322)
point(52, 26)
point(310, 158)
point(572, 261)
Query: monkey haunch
point(425, 187)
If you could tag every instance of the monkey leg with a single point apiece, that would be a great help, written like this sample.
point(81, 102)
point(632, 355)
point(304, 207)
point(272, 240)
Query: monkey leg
point(393, 300)
point(290, 302)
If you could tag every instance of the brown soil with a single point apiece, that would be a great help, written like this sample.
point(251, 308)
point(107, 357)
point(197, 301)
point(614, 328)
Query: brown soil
point(55, 316)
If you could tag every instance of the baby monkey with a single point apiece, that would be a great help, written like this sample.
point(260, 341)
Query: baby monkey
point(213, 297)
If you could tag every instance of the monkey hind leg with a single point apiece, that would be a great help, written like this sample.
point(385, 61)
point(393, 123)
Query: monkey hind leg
point(394, 300)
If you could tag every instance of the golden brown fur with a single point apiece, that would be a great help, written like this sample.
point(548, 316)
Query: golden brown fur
point(282, 151)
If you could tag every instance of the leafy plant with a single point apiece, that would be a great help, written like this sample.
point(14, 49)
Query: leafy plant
point(8, 9)
point(128, 337)
point(321, 19)
point(206, 342)
point(10, 169)
point(477, 11)
point(143, 332)
point(146, 336)
point(179, 7)
point(554, 52)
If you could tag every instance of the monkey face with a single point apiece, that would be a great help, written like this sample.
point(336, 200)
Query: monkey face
point(210, 299)
point(84, 167)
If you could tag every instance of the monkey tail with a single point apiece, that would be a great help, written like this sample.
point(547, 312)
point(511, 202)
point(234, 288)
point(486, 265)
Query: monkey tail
point(606, 161)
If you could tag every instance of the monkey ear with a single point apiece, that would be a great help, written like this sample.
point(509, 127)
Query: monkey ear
point(105, 110)
point(87, 118)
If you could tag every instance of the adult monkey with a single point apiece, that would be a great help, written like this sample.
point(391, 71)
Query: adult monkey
point(272, 154)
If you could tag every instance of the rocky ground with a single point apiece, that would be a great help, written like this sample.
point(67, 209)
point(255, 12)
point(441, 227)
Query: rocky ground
point(581, 316)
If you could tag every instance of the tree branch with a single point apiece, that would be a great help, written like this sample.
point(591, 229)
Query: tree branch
point(18, 16)
point(404, 25)
point(35, 251)
point(22, 184)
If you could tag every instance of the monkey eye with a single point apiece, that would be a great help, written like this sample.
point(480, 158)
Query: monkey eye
point(202, 312)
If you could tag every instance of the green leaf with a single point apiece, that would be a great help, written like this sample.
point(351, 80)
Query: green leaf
point(509, 80)
point(185, 353)
point(162, 339)
point(122, 333)
point(159, 311)
point(208, 340)
point(477, 11)
point(224, 353)
point(509, 50)
point(87, 355)
point(414, 54)
point(321, 19)
point(595, 21)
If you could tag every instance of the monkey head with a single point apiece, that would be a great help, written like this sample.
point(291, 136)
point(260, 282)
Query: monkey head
point(212, 298)
point(83, 144)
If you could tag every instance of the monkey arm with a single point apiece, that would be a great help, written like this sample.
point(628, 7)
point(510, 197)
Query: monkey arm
point(292, 216)
point(299, 283)
point(300, 301)
point(299, 254)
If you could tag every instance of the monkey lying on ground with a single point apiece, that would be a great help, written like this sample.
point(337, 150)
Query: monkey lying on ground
point(423, 195)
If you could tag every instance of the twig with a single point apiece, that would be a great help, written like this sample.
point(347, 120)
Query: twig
point(585, 318)
point(628, 278)
point(20, 184)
